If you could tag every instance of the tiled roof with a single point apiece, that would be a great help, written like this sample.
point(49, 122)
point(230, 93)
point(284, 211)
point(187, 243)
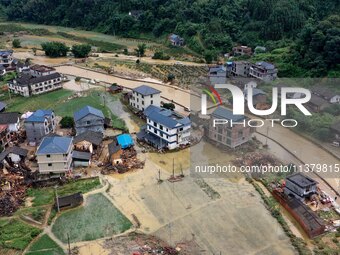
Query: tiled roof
point(81, 155)
point(146, 90)
point(54, 145)
point(165, 117)
point(86, 111)
point(265, 65)
point(9, 117)
point(26, 79)
point(90, 136)
point(114, 147)
point(15, 150)
point(223, 113)
point(39, 116)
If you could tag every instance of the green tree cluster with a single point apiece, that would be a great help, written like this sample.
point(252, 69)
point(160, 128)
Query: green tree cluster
point(54, 49)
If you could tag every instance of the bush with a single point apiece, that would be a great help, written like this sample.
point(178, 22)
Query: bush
point(81, 50)
point(160, 55)
point(55, 49)
point(169, 106)
point(16, 43)
point(67, 122)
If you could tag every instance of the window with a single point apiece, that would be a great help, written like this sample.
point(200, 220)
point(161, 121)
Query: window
point(88, 122)
point(48, 155)
point(151, 101)
point(49, 164)
point(160, 127)
point(142, 102)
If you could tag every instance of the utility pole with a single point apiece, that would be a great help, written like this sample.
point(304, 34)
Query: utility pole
point(69, 245)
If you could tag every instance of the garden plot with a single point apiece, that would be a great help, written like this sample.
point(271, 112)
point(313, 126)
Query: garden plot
point(96, 219)
point(45, 246)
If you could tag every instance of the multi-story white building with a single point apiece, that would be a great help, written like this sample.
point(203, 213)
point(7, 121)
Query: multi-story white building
point(263, 71)
point(166, 128)
point(54, 155)
point(143, 96)
point(41, 79)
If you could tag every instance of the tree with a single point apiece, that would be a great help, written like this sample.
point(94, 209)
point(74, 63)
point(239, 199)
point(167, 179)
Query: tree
point(55, 49)
point(160, 55)
point(16, 43)
point(67, 122)
point(140, 50)
point(81, 50)
point(169, 106)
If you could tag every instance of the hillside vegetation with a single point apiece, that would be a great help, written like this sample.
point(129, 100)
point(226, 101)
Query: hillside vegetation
point(310, 29)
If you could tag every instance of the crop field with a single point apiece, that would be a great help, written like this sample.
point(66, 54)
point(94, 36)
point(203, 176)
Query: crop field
point(96, 219)
point(45, 246)
point(15, 234)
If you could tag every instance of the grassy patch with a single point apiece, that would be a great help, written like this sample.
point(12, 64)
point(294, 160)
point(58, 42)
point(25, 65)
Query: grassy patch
point(15, 234)
point(93, 98)
point(97, 219)
point(44, 196)
point(35, 213)
point(45, 246)
point(45, 101)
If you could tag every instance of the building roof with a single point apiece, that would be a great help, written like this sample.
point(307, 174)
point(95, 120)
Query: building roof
point(125, 140)
point(301, 180)
point(217, 69)
point(3, 128)
point(2, 105)
point(15, 150)
point(26, 79)
point(265, 65)
point(324, 91)
point(86, 111)
point(114, 87)
point(9, 117)
point(166, 117)
point(2, 68)
point(42, 68)
point(54, 145)
point(90, 136)
point(70, 200)
point(224, 113)
point(81, 155)
point(114, 147)
point(146, 90)
point(39, 115)
point(5, 53)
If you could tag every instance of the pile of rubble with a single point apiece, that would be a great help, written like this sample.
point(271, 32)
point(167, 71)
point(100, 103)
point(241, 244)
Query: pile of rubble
point(12, 192)
point(141, 244)
point(129, 162)
point(256, 159)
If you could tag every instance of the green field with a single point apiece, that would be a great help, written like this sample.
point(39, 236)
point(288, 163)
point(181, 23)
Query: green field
point(96, 219)
point(45, 246)
point(59, 102)
point(44, 196)
point(15, 234)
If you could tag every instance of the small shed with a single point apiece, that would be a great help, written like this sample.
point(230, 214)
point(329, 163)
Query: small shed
point(114, 88)
point(88, 141)
point(125, 141)
point(81, 158)
point(69, 201)
point(115, 153)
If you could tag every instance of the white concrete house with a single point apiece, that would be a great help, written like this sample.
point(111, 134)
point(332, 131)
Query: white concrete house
point(165, 128)
point(144, 96)
point(54, 155)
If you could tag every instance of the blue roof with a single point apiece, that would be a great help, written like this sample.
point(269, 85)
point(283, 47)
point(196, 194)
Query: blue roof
point(166, 117)
point(6, 52)
point(86, 111)
point(125, 140)
point(39, 116)
point(224, 113)
point(265, 65)
point(54, 145)
point(146, 90)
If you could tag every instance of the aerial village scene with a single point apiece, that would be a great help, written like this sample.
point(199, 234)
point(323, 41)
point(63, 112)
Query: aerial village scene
point(97, 150)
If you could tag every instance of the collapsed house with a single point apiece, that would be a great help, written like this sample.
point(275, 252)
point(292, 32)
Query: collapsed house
point(13, 154)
